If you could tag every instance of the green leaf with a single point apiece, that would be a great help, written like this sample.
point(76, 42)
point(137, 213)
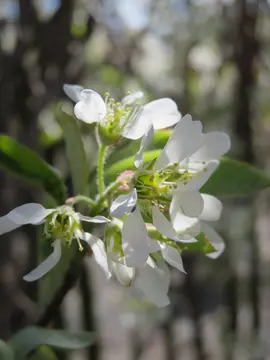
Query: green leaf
point(28, 339)
point(6, 351)
point(129, 148)
point(74, 150)
point(128, 164)
point(25, 163)
point(202, 246)
point(43, 353)
point(234, 177)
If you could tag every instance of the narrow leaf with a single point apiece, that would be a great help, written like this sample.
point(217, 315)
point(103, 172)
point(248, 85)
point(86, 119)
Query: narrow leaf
point(234, 177)
point(74, 150)
point(30, 338)
point(129, 148)
point(25, 163)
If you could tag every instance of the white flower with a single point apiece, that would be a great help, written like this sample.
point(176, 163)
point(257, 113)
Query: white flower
point(151, 280)
point(194, 155)
point(182, 168)
point(126, 117)
point(63, 231)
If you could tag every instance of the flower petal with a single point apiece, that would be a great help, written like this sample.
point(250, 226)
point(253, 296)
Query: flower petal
point(212, 208)
point(167, 228)
point(99, 252)
point(164, 272)
point(172, 256)
point(146, 140)
point(6, 225)
point(97, 219)
point(132, 98)
point(49, 263)
point(162, 224)
point(135, 239)
point(73, 92)
point(137, 126)
point(214, 238)
point(92, 108)
point(185, 225)
point(163, 112)
point(184, 141)
point(150, 282)
point(215, 144)
point(124, 274)
point(31, 213)
point(124, 204)
point(153, 245)
point(200, 178)
point(190, 202)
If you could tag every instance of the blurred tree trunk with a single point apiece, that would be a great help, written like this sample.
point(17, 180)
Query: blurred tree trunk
point(245, 52)
point(24, 90)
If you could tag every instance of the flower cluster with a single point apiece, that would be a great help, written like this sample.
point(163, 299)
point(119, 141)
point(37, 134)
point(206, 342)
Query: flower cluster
point(167, 195)
point(154, 212)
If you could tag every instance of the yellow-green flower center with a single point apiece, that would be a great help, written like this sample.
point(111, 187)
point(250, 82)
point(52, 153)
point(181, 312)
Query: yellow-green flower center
point(62, 224)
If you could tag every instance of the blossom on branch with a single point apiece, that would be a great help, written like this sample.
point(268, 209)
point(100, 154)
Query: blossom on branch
point(62, 225)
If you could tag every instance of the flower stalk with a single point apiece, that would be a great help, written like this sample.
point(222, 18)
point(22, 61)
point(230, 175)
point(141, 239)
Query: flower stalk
point(100, 168)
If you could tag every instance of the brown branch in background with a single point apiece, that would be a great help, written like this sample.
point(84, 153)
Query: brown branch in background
point(69, 281)
point(192, 291)
point(88, 314)
point(246, 50)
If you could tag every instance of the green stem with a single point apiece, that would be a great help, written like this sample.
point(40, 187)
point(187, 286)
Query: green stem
point(81, 198)
point(104, 196)
point(100, 168)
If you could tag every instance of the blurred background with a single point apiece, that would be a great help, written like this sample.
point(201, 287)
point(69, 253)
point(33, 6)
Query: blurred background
point(213, 58)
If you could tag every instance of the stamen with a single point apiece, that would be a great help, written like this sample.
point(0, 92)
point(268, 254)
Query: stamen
point(106, 97)
point(80, 245)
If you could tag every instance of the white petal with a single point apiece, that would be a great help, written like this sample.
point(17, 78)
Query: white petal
point(153, 245)
point(164, 105)
point(185, 225)
point(135, 239)
point(31, 213)
point(164, 272)
point(146, 140)
point(184, 141)
point(49, 263)
point(215, 239)
point(162, 224)
point(92, 108)
point(132, 98)
point(182, 222)
point(190, 202)
point(212, 208)
point(6, 225)
point(97, 219)
point(160, 113)
point(163, 112)
point(200, 178)
point(124, 274)
point(73, 92)
point(152, 285)
point(172, 256)
point(215, 144)
point(137, 127)
point(123, 204)
point(99, 252)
